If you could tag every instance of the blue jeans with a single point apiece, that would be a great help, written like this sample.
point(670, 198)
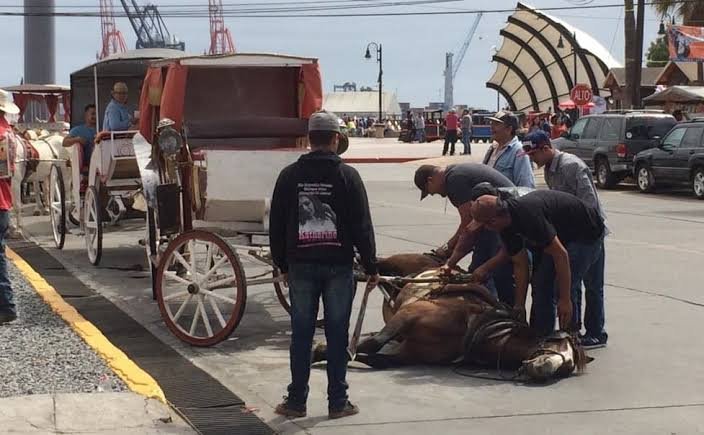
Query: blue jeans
point(501, 283)
point(307, 283)
point(467, 141)
point(586, 265)
point(6, 300)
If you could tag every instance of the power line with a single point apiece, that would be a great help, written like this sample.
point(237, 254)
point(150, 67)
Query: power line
point(289, 12)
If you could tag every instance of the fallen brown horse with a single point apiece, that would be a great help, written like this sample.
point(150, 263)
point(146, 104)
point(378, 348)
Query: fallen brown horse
point(441, 323)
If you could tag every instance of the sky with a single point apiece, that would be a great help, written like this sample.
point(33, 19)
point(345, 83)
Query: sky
point(414, 47)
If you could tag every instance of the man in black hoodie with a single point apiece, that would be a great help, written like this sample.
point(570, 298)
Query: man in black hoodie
point(319, 214)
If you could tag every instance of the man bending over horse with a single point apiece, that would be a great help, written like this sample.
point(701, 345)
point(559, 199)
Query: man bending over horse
point(456, 183)
point(549, 222)
point(568, 173)
point(319, 214)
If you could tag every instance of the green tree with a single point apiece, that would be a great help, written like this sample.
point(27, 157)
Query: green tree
point(657, 55)
point(691, 13)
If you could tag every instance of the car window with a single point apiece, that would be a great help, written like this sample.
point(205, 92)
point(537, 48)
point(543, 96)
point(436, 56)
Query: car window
point(648, 128)
point(660, 126)
point(692, 138)
point(578, 127)
point(592, 129)
point(674, 138)
point(610, 129)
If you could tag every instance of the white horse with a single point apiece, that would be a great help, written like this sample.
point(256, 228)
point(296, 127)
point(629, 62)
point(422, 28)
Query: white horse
point(33, 154)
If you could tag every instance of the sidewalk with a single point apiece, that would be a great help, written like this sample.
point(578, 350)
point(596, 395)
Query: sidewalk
point(88, 413)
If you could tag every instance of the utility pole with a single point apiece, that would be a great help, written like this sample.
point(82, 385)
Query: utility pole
point(638, 55)
point(629, 28)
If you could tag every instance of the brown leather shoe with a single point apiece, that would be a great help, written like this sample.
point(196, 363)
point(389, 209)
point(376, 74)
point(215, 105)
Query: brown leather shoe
point(347, 410)
point(287, 409)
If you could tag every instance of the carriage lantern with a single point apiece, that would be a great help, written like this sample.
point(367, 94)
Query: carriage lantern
point(170, 140)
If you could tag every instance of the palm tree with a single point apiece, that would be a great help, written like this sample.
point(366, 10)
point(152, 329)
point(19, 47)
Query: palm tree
point(691, 12)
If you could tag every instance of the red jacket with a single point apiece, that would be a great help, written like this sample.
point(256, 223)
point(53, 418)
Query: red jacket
point(5, 191)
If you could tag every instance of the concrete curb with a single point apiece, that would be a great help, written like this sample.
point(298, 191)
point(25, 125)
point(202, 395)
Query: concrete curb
point(382, 159)
point(136, 379)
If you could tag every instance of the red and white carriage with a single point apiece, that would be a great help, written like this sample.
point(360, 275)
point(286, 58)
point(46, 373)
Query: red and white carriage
point(214, 133)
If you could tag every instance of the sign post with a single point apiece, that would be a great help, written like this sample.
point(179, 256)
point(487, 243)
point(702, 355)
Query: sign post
point(581, 95)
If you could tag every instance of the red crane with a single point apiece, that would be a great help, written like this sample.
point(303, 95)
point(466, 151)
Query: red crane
point(220, 37)
point(113, 42)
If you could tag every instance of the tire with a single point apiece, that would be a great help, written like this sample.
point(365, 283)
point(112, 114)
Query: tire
point(93, 225)
point(57, 206)
point(605, 179)
point(283, 297)
point(698, 182)
point(215, 258)
point(645, 179)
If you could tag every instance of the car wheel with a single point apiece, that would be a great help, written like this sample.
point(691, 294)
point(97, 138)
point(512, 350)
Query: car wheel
point(698, 183)
point(604, 178)
point(645, 179)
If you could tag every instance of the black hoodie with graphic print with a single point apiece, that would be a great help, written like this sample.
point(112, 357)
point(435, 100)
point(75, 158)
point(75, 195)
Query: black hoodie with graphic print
point(320, 213)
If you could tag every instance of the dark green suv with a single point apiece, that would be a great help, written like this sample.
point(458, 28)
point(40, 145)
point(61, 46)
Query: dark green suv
point(608, 142)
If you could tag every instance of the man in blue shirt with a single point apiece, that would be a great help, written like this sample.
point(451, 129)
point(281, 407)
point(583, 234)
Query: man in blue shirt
point(84, 135)
point(117, 114)
point(506, 154)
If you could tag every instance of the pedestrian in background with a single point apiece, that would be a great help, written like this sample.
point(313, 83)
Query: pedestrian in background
point(467, 132)
point(503, 154)
point(8, 312)
point(319, 214)
point(420, 127)
point(451, 126)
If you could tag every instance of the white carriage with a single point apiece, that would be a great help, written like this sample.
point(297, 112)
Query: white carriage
point(105, 189)
point(229, 124)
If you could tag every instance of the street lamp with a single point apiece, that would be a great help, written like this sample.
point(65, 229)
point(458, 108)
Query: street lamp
point(662, 30)
point(368, 55)
point(561, 44)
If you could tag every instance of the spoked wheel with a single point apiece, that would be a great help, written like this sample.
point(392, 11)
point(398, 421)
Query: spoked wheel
point(57, 206)
point(92, 218)
point(285, 301)
point(200, 288)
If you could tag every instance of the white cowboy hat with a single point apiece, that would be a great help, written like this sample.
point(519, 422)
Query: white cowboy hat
point(6, 104)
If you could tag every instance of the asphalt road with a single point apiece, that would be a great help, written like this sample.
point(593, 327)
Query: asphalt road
point(647, 381)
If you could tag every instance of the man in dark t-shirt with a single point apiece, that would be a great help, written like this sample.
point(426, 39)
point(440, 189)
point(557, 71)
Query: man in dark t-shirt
point(554, 223)
point(456, 183)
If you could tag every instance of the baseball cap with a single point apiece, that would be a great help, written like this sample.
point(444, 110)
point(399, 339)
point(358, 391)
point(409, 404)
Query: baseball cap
point(328, 121)
point(535, 141)
point(504, 117)
point(421, 178)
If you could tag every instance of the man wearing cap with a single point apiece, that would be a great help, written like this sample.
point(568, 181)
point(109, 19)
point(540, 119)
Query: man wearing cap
point(568, 173)
point(8, 312)
point(319, 214)
point(456, 182)
point(551, 223)
point(117, 114)
point(503, 154)
point(451, 126)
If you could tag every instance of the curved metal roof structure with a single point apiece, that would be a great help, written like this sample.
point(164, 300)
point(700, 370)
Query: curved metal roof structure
point(532, 73)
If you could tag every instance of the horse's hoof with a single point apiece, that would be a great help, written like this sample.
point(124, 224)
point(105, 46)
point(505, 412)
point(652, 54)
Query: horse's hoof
point(319, 353)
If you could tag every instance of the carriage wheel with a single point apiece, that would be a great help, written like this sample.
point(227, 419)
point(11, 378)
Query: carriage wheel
point(200, 288)
point(152, 247)
point(71, 218)
point(57, 206)
point(93, 222)
point(282, 295)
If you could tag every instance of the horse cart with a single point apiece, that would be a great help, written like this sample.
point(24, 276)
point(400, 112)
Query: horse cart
point(104, 186)
point(215, 131)
point(35, 146)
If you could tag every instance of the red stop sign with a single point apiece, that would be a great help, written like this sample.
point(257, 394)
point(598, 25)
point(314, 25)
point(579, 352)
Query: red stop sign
point(581, 95)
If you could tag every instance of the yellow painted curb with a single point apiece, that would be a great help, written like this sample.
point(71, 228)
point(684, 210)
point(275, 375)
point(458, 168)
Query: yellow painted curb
point(136, 379)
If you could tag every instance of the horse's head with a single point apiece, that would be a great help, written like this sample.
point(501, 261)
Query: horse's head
point(557, 356)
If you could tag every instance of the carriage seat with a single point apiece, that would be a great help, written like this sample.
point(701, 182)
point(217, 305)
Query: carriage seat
point(263, 132)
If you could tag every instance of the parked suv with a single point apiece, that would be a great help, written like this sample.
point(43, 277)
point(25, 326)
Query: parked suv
point(678, 159)
point(608, 142)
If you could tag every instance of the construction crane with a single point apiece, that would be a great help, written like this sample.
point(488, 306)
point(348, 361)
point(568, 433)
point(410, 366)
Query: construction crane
point(220, 37)
point(451, 67)
point(113, 42)
point(150, 28)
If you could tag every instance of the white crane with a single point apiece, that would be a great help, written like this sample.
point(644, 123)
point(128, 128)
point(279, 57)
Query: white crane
point(451, 67)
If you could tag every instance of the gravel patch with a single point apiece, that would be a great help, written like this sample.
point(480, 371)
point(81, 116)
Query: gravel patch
point(40, 353)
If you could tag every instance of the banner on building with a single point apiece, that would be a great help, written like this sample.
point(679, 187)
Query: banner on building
point(686, 43)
